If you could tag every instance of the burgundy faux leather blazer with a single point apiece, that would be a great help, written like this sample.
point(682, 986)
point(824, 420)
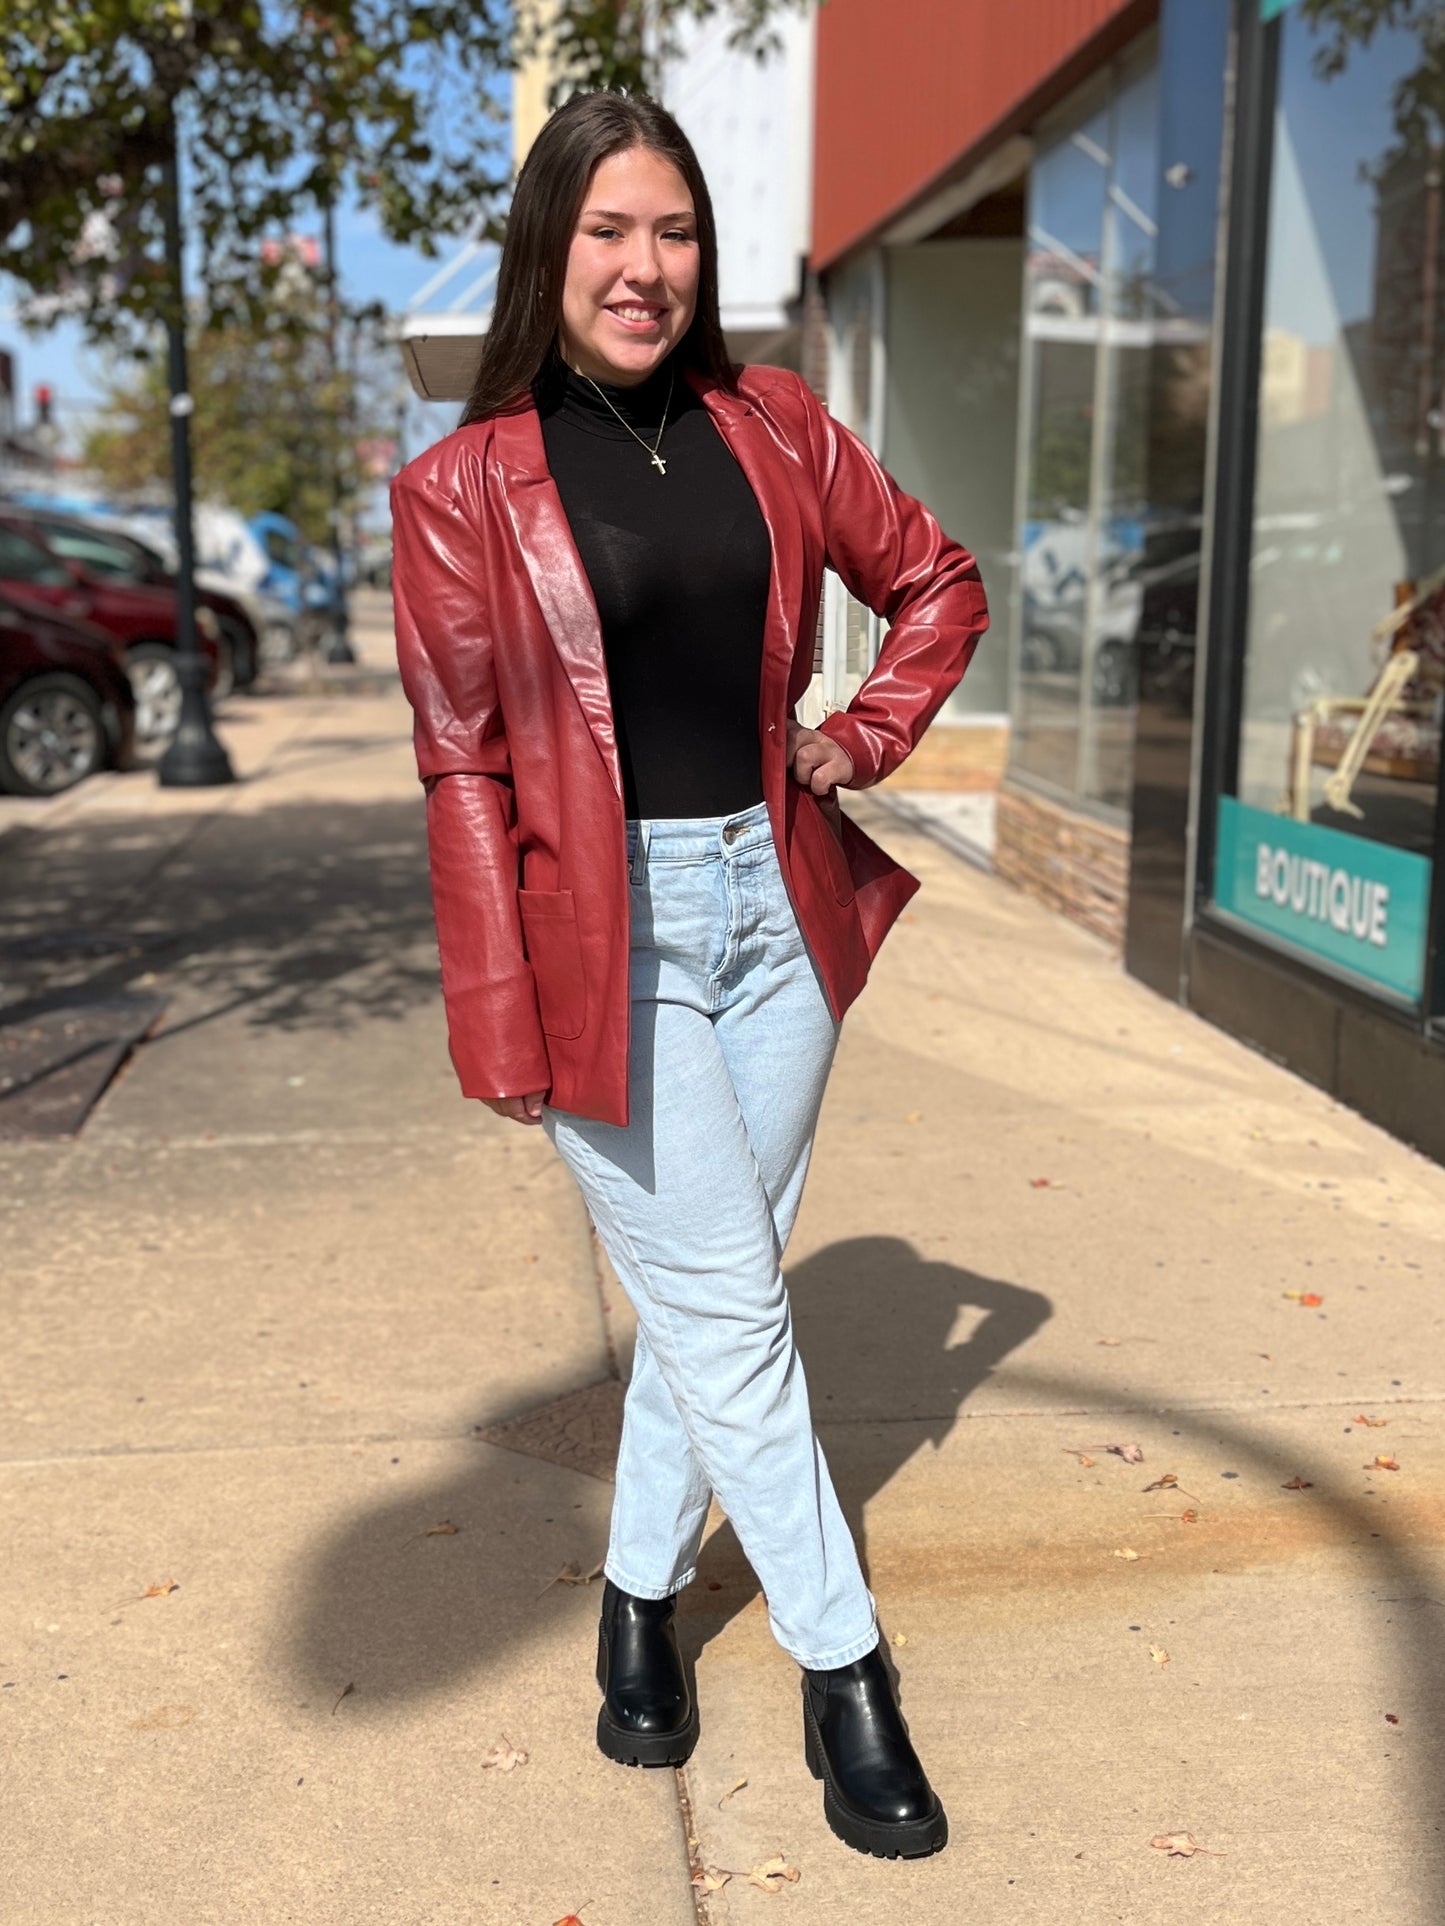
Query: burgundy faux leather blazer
point(501, 658)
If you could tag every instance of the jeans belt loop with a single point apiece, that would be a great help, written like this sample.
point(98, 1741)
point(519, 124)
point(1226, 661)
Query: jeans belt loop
point(638, 871)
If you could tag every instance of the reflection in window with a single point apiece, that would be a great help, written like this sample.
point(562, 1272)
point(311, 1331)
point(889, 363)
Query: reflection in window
point(1091, 314)
point(1345, 658)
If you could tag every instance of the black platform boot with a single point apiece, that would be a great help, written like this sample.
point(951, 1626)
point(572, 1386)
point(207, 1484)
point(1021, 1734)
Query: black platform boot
point(647, 1716)
point(876, 1796)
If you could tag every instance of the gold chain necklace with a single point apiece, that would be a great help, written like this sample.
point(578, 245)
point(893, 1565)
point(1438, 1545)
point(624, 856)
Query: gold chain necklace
point(658, 463)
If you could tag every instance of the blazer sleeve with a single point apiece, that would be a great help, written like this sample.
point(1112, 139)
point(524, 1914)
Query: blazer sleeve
point(444, 651)
point(893, 556)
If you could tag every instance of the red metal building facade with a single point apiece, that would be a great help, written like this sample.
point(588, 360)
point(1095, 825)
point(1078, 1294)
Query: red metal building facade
point(910, 90)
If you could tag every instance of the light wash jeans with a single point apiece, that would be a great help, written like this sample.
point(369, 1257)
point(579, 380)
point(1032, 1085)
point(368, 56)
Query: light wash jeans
point(694, 1200)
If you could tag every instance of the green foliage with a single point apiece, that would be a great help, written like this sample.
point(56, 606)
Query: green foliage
point(281, 104)
point(1419, 103)
point(623, 44)
point(270, 416)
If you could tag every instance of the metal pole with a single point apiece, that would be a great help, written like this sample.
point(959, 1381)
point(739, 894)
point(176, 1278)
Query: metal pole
point(194, 758)
point(339, 648)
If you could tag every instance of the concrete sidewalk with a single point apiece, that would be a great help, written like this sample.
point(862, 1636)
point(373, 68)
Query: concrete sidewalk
point(296, 1331)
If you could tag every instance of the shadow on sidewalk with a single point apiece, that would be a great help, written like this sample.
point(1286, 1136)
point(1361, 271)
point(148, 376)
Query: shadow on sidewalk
point(302, 915)
point(363, 1615)
point(875, 1325)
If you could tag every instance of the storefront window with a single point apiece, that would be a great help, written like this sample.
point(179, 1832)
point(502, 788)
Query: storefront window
point(1090, 312)
point(1326, 845)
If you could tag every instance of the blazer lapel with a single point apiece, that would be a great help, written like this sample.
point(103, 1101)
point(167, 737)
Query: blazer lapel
point(559, 581)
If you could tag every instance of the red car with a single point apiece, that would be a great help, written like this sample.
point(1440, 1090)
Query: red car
point(113, 552)
point(140, 616)
point(66, 703)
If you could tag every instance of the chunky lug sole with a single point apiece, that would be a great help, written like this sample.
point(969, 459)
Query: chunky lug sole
point(906, 1839)
point(626, 1747)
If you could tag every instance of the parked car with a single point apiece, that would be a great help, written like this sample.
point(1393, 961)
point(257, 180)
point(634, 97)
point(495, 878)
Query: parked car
point(66, 704)
point(230, 560)
point(141, 616)
point(111, 551)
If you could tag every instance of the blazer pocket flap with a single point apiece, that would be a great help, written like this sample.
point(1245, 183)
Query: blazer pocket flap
point(554, 950)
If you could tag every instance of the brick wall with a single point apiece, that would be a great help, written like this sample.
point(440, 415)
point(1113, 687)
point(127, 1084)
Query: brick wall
point(1073, 862)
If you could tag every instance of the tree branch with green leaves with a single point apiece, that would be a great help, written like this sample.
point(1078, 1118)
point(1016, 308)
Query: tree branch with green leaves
point(399, 108)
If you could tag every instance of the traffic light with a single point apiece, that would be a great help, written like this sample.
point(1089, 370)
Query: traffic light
point(43, 400)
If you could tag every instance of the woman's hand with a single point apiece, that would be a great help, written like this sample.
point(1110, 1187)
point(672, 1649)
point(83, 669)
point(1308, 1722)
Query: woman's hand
point(522, 1110)
point(817, 762)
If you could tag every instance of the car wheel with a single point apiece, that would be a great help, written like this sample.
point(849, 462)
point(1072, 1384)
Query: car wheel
point(151, 667)
point(223, 683)
point(52, 736)
point(1112, 676)
point(243, 651)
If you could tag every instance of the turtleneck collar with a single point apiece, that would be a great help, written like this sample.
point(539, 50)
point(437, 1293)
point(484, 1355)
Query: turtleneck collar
point(640, 406)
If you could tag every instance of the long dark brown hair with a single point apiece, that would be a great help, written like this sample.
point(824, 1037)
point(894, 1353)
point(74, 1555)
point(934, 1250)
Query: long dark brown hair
point(527, 313)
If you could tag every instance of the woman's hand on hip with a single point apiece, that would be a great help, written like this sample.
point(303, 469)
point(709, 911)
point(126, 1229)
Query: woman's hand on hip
point(522, 1110)
point(817, 762)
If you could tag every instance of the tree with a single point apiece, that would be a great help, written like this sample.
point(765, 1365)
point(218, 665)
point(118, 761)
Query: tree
point(272, 420)
point(1419, 101)
point(283, 105)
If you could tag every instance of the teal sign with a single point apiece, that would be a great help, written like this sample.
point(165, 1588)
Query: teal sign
point(1269, 8)
point(1356, 905)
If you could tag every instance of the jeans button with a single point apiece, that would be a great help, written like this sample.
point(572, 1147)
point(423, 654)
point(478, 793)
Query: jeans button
point(730, 834)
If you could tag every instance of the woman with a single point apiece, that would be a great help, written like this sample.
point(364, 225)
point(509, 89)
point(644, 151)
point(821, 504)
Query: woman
point(651, 912)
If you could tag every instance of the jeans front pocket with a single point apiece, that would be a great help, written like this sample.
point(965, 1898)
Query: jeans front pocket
point(554, 950)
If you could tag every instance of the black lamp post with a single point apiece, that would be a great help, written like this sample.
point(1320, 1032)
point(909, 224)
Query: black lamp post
point(194, 758)
point(338, 647)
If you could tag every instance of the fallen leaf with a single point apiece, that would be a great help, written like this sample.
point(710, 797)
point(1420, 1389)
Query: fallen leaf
point(1190, 1517)
point(773, 1874)
point(572, 1919)
point(1132, 1454)
point(731, 1790)
point(710, 1879)
point(1182, 1844)
point(572, 1574)
point(1383, 1464)
point(1109, 1341)
point(446, 1529)
point(1158, 1654)
point(914, 1116)
point(1168, 1482)
point(168, 1718)
point(1372, 1424)
point(1297, 1484)
point(161, 1589)
point(1076, 1451)
point(1392, 1718)
point(1306, 1299)
point(345, 1693)
point(1129, 1552)
point(1041, 1183)
point(899, 1638)
point(506, 1757)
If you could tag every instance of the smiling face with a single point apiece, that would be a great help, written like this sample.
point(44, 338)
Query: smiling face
point(632, 269)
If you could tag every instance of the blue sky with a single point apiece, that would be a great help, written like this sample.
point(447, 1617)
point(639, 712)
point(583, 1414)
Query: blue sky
point(372, 269)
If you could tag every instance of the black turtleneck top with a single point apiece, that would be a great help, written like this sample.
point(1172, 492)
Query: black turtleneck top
point(679, 565)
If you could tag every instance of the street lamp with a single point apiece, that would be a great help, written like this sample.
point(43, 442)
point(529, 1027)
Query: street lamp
point(194, 759)
point(338, 648)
